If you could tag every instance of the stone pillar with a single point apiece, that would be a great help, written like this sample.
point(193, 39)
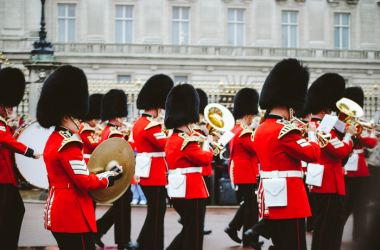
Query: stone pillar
point(38, 72)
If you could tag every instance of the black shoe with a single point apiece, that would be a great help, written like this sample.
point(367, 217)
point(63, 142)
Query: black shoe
point(206, 231)
point(121, 246)
point(261, 243)
point(98, 240)
point(136, 246)
point(253, 238)
point(130, 246)
point(180, 220)
point(233, 234)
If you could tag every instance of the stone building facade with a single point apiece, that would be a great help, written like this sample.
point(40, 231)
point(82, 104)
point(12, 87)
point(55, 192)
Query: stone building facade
point(219, 45)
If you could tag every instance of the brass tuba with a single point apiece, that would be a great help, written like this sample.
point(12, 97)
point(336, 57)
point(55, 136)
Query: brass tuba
point(349, 110)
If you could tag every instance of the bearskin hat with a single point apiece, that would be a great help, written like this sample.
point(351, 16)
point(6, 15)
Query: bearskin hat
point(355, 94)
point(285, 86)
point(114, 104)
point(324, 93)
point(182, 106)
point(154, 92)
point(203, 100)
point(95, 104)
point(56, 101)
point(12, 86)
point(246, 103)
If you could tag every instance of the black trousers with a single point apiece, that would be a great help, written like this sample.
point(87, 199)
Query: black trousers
point(120, 215)
point(329, 220)
point(309, 220)
point(355, 202)
point(152, 232)
point(244, 217)
point(288, 234)
point(191, 235)
point(207, 180)
point(75, 241)
point(262, 229)
point(12, 212)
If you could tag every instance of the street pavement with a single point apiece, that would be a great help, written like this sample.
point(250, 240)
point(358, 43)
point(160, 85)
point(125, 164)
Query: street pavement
point(34, 236)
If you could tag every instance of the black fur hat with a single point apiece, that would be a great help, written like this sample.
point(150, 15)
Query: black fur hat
point(64, 93)
point(246, 103)
point(324, 93)
point(182, 106)
point(355, 94)
point(154, 92)
point(12, 86)
point(114, 104)
point(285, 86)
point(95, 104)
point(203, 100)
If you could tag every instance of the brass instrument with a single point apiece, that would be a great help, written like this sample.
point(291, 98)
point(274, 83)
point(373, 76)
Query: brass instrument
point(367, 124)
point(217, 147)
point(128, 130)
point(163, 128)
point(262, 114)
point(323, 138)
point(99, 132)
point(348, 111)
point(105, 157)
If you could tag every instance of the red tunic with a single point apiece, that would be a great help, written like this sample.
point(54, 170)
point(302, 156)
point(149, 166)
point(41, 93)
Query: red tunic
point(331, 158)
point(285, 154)
point(208, 170)
point(190, 156)
point(244, 166)
point(69, 208)
point(149, 138)
point(8, 146)
point(364, 142)
point(86, 134)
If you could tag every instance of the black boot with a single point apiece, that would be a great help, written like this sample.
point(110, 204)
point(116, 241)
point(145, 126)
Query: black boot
point(253, 238)
point(233, 234)
point(98, 240)
point(206, 231)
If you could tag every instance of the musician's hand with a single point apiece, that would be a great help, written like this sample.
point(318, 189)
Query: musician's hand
point(36, 155)
point(115, 173)
point(210, 138)
point(351, 129)
point(311, 128)
point(118, 168)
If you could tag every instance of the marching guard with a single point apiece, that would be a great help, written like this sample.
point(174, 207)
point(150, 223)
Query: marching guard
point(69, 212)
point(283, 201)
point(186, 159)
point(243, 165)
point(151, 169)
point(329, 215)
point(357, 174)
point(12, 209)
point(87, 128)
point(114, 109)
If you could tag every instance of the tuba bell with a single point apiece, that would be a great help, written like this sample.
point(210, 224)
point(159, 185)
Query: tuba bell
point(109, 153)
point(349, 110)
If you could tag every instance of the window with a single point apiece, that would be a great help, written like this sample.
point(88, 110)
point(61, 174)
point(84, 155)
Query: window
point(180, 26)
point(124, 24)
point(289, 22)
point(341, 31)
point(236, 27)
point(124, 79)
point(66, 23)
point(180, 79)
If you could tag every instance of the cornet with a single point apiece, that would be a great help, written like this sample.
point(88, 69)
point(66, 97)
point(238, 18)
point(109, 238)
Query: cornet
point(129, 127)
point(323, 138)
point(217, 147)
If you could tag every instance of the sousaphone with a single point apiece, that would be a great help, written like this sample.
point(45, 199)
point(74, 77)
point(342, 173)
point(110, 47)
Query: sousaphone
point(105, 157)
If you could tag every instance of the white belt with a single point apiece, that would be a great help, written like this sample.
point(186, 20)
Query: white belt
point(157, 154)
point(87, 156)
point(358, 151)
point(281, 174)
point(186, 170)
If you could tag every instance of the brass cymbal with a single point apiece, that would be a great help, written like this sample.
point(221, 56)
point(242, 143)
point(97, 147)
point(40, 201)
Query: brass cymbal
point(106, 154)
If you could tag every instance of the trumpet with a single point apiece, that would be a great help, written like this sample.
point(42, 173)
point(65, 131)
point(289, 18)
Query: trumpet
point(367, 124)
point(129, 126)
point(323, 138)
point(217, 147)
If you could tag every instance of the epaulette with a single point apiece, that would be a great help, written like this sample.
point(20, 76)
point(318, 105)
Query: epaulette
point(253, 135)
point(152, 123)
point(67, 139)
point(246, 130)
point(186, 139)
point(114, 131)
point(288, 127)
point(2, 119)
point(87, 127)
